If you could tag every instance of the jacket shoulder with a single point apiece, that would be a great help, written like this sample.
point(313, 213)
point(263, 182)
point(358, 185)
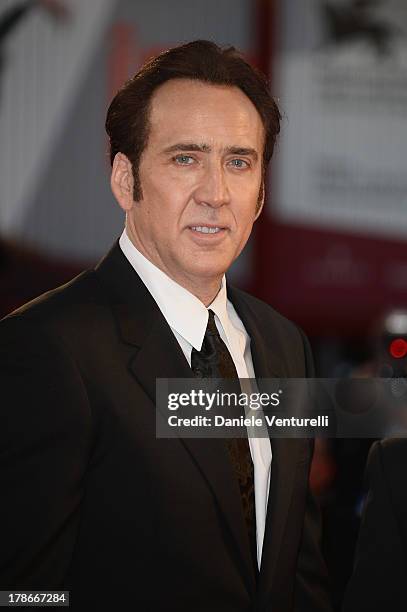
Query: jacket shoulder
point(66, 311)
point(81, 290)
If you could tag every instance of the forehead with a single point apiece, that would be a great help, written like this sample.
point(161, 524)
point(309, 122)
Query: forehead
point(183, 109)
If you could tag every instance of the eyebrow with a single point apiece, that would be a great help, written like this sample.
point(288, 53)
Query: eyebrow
point(204, 148)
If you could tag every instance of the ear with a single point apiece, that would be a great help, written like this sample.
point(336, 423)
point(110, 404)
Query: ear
point(122, 182)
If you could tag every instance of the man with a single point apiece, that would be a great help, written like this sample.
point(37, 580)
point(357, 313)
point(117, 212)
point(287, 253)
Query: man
point(95, 502)
point(380, 569)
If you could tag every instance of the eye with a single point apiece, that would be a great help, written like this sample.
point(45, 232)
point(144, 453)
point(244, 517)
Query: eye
point(183, 160)
point(239, 163)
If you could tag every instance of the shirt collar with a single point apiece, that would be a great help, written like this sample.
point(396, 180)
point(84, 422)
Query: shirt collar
point(184, 312)
point(219, 307)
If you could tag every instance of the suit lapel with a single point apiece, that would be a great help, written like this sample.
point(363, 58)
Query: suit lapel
point(265, 348)
point(265, 357)
point(158, 355)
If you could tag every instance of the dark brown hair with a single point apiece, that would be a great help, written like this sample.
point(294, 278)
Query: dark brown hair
point(127, 121)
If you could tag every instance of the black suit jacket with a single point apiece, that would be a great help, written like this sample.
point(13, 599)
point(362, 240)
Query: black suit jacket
point(94, 503)
point(380, 570)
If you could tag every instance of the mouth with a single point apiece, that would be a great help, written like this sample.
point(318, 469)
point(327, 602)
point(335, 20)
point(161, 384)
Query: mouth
point(207, 235)
point(207, 229)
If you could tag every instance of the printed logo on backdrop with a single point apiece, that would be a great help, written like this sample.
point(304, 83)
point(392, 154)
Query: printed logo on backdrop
point(358, 21)
point(343, 89)
point(363, 58)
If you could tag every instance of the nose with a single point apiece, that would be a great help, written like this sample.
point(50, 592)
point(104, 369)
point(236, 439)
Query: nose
point(213, 187)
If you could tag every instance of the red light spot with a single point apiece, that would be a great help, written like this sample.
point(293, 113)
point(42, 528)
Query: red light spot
point(398, 348)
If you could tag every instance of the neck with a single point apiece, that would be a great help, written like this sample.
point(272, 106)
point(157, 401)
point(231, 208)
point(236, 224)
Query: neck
point(206, 293)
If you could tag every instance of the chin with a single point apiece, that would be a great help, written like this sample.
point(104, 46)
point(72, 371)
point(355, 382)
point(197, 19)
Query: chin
point(207, 270)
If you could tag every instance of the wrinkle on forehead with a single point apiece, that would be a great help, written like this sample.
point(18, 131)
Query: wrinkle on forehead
point(201, 112)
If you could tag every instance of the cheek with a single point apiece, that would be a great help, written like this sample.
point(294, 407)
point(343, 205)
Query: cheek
point(154, 188)
point(166, 199)
point(245, 225)
point(245, 213)
point(245, 193)
point(167, 179)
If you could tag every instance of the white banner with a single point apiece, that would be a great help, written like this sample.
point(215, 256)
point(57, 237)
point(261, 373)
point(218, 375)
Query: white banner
point(341, 78)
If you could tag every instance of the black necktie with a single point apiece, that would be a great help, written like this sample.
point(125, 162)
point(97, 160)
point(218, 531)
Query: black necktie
point(215, 361)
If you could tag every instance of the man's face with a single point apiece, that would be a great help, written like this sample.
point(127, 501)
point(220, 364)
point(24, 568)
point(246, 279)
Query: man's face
point(200, 176)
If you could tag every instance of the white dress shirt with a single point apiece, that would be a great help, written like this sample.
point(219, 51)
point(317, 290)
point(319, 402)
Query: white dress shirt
point(188, 318)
